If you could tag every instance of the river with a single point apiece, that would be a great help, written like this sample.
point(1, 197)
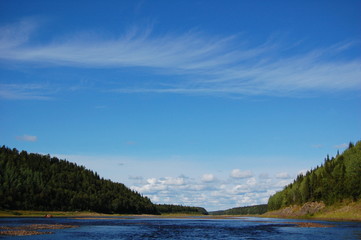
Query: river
point(186, 228)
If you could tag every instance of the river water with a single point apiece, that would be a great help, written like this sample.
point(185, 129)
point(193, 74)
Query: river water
point(189, 228)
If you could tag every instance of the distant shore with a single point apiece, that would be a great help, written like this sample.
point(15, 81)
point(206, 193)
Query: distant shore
point(84, 214)
point(34, 213)
point(350, 211)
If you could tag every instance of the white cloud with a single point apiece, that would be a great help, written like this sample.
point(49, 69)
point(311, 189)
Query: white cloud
point(341, 146)
point(220, 195)
point(248, 200)
point(180, 182)
point(241, 188)
point(251, 182)
point(162, 184)
point(237, 173)
point(208, 177)
point(172, 181)
point(152, 181)
point(283, 175)
point(27, 138)
point(203, 64)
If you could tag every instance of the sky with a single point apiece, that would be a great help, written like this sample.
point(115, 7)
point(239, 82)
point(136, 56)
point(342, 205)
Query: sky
point(217, 104)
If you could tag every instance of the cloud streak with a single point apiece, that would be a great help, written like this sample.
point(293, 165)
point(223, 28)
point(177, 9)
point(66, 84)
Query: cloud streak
point(24, 92)
point(27, 138)
point(341, 146)
point(198, 64)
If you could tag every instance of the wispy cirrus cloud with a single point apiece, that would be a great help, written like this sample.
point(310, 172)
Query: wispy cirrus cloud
point(24, 92)
point(27, 138)
point(201, 64)
point(16, 34)
point(341, 146)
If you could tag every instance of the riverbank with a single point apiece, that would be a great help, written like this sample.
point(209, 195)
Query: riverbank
point(84, 214)
point(28, 213)
point(33, 229)
point(344, 211)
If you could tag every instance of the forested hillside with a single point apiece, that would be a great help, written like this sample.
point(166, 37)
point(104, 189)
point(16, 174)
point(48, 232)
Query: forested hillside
point(256, 209)
point(337, 179)
point(169, 209)
point(40, 182)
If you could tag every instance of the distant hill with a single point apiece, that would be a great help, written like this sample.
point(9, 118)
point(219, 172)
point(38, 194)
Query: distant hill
point(249, 210)
point(31, 181)
point(337, 179)
point(170, 209)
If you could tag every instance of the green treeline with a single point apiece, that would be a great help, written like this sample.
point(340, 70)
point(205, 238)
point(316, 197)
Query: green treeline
point(30, 181)
point(167, 208)
point(339, 178)
point(39, 182)
point(250, 210)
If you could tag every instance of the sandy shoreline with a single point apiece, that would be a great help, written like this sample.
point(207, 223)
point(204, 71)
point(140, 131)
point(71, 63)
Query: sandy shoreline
point(32, 229)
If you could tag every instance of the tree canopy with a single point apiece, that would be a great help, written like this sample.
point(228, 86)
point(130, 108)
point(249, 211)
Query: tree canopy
point(168, 208)
point(40, 182)
point(31, 181)
point(337, 179)
point(249, 210)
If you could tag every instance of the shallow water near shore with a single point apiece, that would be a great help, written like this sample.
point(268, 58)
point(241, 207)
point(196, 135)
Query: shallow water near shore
point(109, 228)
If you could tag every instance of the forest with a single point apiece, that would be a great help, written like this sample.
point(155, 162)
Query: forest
point(336, 180)
point(169, 209)
point(30, 181)
point(40, 182)
point(249, 210)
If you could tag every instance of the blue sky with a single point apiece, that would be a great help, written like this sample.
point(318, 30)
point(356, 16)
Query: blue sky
point(205, 103)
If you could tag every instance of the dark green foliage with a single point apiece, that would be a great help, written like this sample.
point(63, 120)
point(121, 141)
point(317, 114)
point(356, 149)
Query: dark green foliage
point(39, 182)
point(336, 180)
point(166, 208)
point(250, 210)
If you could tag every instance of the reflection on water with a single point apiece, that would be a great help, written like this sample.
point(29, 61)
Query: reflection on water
point(191, 228)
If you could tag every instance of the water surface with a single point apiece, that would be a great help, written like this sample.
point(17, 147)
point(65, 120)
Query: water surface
point(189, 228)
